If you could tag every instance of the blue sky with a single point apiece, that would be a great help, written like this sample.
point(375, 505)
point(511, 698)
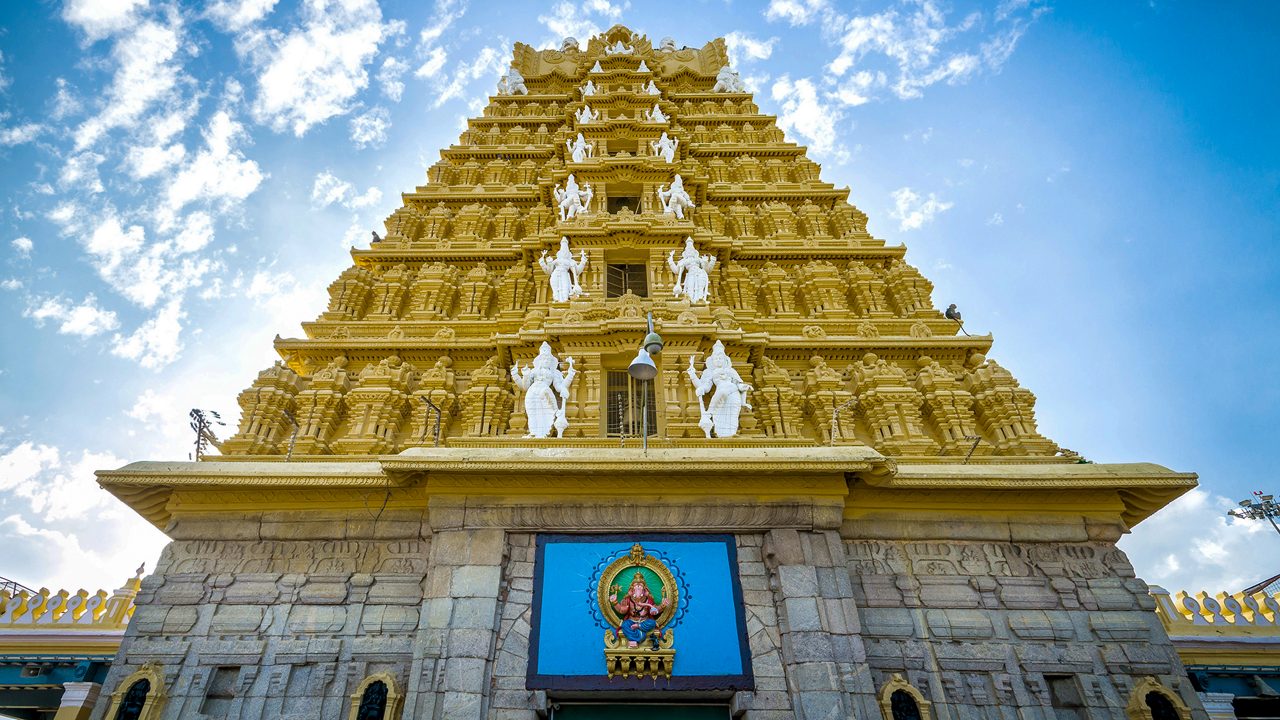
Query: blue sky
point(1094, 183)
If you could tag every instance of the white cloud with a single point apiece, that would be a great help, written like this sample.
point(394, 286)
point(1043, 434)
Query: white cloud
point(85, 319)
point(236, 15)
point(1191, 545)
point(23, 246)
point(5, 80)
point(389, 77)
point(328, 189)
point(804, 113)
point(144, 273)
point(370, 129)
point(147, 73)
point(573, 19)
point(80, 173)
point(742, 47)
point(912, 211)
point(64, 102)
point(145, 161)
point(99, 18)
point(795, 12)
point(158, 341)
point(19, 134)
point(434, 63)
point(219, 173)
point(490, 61)
point(995, 219)
point(313, 72)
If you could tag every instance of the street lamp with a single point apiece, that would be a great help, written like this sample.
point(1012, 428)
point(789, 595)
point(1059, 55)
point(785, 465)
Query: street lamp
point(1258, 507)
point(643, 369)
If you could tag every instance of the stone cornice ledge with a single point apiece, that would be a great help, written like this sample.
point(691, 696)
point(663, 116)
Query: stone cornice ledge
point(839, 459)
point(1144, 488)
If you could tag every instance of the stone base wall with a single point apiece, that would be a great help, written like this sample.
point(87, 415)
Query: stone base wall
point(292, 621)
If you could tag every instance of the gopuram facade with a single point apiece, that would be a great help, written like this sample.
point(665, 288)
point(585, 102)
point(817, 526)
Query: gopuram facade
point(461, 496)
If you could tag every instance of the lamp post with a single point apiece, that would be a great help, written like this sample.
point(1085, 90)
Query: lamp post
point(643, 369)
point(1258, 507)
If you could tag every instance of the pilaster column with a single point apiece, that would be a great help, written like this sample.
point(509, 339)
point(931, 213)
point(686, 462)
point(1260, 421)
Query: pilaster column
point(78, 699)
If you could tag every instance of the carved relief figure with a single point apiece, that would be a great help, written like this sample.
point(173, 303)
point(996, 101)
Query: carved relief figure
point(692, 273)
point(655, 115)
point(541, 382)
point(638, 611)
point(730, 396)
point(675, 200)
point(564, 272)
point(579, 149)
point(665, 146)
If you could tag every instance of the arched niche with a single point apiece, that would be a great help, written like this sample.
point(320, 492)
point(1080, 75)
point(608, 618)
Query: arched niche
point(140, 696)
point(391, 706)
point(900, 700)
point(1151, 700)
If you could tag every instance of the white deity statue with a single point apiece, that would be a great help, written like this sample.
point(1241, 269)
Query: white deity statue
point(586, 115)
point(572, 201)
point(589, 89)
point(675, 200)
point(693, 279)
point(596, 68)
point(579, 149)
point(618, 48)
point(643, 67)
point(655, 115)
point(730, 396)
point(652, 89)
point(667, 45)
point(727, 80)
point(540, 384)
point(666, 147)
point(569, 44)
point(515, 83)
point(564, 272)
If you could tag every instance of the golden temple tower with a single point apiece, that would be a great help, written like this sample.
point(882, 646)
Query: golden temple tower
point(828, 502)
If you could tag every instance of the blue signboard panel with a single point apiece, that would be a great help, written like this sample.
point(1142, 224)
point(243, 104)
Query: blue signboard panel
point(640, 590)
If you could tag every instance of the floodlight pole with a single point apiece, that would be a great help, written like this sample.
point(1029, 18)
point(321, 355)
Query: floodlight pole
point(1257, 507)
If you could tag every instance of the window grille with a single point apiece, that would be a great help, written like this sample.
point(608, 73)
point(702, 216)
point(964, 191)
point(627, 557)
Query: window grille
point(621, 278)
point(626, 401)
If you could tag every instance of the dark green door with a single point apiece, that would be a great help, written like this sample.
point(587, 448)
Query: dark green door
point(634, 711)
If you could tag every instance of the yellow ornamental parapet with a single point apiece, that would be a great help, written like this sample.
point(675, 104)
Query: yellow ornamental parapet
point(1221, 629)
point(81, 610)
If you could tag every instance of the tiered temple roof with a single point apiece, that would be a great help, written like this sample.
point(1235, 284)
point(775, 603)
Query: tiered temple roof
point(836, 332)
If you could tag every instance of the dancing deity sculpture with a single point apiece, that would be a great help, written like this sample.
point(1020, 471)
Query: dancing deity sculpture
point(579, 149)
point(675, 200)
point(666, 147)
point(564, 272)
point(692, 273)
point(729, 396)
point(571, 201)
point(540, 384)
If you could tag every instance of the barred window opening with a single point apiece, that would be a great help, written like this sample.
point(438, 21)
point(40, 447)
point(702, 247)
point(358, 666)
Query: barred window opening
point(629, 402)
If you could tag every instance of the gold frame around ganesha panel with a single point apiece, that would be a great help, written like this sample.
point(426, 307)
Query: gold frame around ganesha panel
point(637, 558)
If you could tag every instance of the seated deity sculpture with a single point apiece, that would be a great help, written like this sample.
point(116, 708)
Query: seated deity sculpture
point(652, 89)
point(643, 67)
point(589, 89)
point(586, 115)
point(619, 48)
point(655, 115)
point(666, 147)
point(564, 272)
point(596, 68)
point(727, 80)
point(579, 149)
point(676, 200)
point(728, 393)
point(693, 279)
point(512, 84)
point(540, 383)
